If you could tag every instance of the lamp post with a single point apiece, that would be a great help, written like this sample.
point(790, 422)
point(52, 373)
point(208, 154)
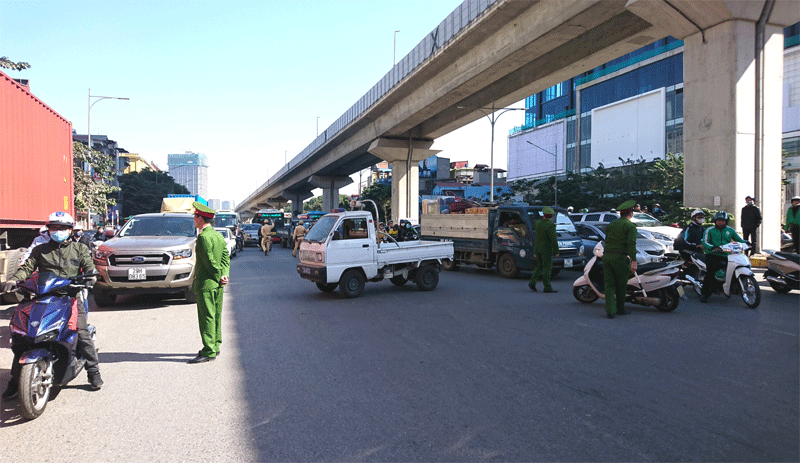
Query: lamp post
point(89, 134)
point(492, 119)
point(555, 168)
point(394, 55)
point(317, 125)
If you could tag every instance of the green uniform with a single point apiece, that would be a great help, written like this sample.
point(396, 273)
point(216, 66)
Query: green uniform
point(619, 252)
point(545, 246)
point(213, 262)
point(792, 217)
point(715, 237)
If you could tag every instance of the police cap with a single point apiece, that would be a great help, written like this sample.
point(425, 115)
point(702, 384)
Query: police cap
point(626, 205)
point(203, 211)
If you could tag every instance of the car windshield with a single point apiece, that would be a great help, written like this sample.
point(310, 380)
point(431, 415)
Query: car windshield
point(640, 219)
point(223, 232)
point(321, 229)
point(159, 226)
point(564, 224)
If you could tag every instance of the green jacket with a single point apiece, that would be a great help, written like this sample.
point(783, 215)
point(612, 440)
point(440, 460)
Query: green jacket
point(715, 237)
point(792, 217)
point(66, 259)
point(545, 241)
point(621, 238)
point(213, 261)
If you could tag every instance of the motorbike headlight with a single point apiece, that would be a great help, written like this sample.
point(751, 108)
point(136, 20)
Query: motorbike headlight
point(181, 254)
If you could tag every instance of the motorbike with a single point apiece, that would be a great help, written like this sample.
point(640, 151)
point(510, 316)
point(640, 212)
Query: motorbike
point(783, 271)
point(738, 277)
point(654, 284)
point(44, 327)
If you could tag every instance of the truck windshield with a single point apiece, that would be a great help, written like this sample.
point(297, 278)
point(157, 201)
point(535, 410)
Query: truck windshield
point(321, 229)
point(159, 226)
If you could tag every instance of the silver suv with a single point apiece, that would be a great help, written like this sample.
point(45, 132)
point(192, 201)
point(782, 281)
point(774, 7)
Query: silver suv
point(152, 253)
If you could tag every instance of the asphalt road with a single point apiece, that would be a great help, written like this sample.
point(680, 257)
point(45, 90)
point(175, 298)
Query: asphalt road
point(481, 369)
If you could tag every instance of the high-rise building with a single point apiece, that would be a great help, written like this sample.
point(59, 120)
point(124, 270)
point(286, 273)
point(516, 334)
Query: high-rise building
point(190, 170)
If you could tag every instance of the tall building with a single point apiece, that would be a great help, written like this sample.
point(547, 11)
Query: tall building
point(190, 170)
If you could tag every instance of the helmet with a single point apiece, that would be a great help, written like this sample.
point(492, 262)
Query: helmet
point(43, 230)
point(722, 215)
point(77, 226)
point(60, 218)
point(796, 198)
point(698, 212)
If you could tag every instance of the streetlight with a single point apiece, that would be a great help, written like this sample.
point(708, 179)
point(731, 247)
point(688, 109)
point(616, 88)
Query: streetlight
point(394, 55)
point(555, 168)
point(492, 119)
point(317, 125)
point(89, 134)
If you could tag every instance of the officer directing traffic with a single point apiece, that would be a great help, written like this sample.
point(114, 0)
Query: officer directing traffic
point(545, 247)
point(619, 259)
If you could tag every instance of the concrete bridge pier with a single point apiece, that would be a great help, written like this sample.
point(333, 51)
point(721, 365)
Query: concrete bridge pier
point(296, 198)
point(330, 185)
point(404, 157)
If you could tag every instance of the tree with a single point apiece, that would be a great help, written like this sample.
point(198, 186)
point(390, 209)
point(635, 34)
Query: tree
point(93, 188)
point(315, 204)
point(142, 192)
point(6, 63)
point(381, 193)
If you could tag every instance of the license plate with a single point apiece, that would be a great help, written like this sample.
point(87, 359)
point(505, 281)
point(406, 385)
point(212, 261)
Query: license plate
point(567, 263)
point(137, 273)
point(306, 270)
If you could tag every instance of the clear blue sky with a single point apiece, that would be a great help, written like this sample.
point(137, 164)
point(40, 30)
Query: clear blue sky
point(241, 81)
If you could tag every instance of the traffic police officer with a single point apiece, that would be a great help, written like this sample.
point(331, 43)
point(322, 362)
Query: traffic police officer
point(266, 236)
point(297, 236)
point(545, 247)
point(211, 274)
point(619, 259)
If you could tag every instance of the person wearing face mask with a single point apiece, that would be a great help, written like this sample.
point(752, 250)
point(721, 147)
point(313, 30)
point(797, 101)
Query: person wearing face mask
point(693, 234)
point(65, 258)
point(793, 223)
point(43, 237)
point(657, 211)
point(751, 220)
point(716, 259)
point(79, 236)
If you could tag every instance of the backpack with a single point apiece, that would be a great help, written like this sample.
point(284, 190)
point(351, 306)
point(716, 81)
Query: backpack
point(679, 244)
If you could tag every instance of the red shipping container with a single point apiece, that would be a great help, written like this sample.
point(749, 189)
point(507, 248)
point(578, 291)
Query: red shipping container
point(35, 159)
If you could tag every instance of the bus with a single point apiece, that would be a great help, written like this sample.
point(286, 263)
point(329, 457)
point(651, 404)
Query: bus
point(226, 219)
point(273, 215)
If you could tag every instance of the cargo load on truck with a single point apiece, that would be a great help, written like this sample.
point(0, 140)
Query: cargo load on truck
point(179, 204)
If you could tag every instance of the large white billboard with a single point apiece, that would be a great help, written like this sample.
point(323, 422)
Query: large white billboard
point(526, 160)
point(629, 129)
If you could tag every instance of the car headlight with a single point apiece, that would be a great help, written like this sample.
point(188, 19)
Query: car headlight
point(181, 254)
point(581, 250)
point(101, 255)
point(522, 253)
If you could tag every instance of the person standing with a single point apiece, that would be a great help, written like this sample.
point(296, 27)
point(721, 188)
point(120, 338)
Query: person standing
point(545, 246)
point(266, 237)
point(297, 236)
point(211, 274)
point(751, 220)
point(793, 223)
point(619, 259)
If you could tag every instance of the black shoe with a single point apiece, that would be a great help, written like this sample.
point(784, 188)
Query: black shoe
point(609, 315)
point(11, 389)
point(551, 290)
point(532, 287)
point(201, 359)
point(95, 380)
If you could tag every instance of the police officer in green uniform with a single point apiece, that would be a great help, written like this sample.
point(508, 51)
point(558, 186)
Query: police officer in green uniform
point(619, 259)
point(545, 247)
point(211, 274)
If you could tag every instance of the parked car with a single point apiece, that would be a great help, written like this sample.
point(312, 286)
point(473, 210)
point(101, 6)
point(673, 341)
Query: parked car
point(648, 225)
point(230, 241)
point(250, 234)
point(647, 250)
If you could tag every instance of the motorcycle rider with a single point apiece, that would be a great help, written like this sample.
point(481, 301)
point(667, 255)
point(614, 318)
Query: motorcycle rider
point(43, 237)
point(65, 258)
point(793, 224)
point(716, 259)
point(693, 233)
point(79, 236)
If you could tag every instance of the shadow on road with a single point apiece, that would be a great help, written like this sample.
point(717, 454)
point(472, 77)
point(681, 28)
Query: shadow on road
point(139, 302)
point(122, 357)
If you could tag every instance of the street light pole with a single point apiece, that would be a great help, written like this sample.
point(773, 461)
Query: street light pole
point(555, 168)
point(492, 120)
point(89, 133)
point(394, 55)
point(317, 125)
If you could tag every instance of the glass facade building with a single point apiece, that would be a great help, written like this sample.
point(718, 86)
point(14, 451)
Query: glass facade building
point(190, 170)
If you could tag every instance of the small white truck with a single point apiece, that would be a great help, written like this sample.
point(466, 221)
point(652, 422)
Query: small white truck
point(342, 249)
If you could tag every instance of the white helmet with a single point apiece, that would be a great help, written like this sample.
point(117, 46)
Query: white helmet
point(698, 211)
point(60, 218)
point(43, 230)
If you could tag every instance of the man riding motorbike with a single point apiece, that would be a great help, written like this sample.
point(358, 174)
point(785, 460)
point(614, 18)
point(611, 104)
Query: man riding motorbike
point(716, 259)
point(65, 258)
point(693, 234)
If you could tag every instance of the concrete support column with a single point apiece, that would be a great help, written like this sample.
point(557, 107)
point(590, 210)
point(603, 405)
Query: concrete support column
point(330, 185)
point(720, 121)
point(404, 157)
point(296, 198)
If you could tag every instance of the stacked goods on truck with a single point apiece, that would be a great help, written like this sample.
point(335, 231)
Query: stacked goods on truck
point(502, 236)
point(35, 169)
point(179, 204)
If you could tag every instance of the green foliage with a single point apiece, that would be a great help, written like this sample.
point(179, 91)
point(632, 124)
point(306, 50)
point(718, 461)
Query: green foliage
point(6, 63)
point(92, 192)
point(142, 192)
point(315, 204)
point(382, 195)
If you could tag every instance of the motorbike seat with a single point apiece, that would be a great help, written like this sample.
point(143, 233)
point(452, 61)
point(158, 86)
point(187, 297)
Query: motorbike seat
point(790, 256)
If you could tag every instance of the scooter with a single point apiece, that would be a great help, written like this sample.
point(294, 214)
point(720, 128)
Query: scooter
point(783, 271)
point(655, 284)
point(44, 327)
point(738, 279)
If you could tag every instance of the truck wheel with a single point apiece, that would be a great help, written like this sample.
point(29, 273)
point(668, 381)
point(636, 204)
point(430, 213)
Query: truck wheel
point(191, 297)
point(352, 283)
point(327, 287)
point(102, 297)
point(506, 266)
point(398, 280)
point(450, 265)
point(427, 278)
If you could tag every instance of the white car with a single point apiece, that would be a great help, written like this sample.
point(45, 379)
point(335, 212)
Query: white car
point(229, 239)
point(649, 227)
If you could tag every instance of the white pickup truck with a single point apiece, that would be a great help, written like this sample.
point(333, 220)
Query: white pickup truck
point(342, 250)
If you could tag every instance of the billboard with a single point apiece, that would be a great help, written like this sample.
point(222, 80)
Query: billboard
point(531, 153)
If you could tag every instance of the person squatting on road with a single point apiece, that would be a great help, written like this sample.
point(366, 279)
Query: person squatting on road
point(545, 247)
point(716, 259)
point(266, 237)
point(751, 220)
point(211, 274)
point(793, 224)
point(619, 259)
point(297, 236)
point(64, 258)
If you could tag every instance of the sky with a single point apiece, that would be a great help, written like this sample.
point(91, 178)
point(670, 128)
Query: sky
point(240, 81)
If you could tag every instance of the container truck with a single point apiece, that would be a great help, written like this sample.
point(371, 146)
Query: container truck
point(501, 236)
